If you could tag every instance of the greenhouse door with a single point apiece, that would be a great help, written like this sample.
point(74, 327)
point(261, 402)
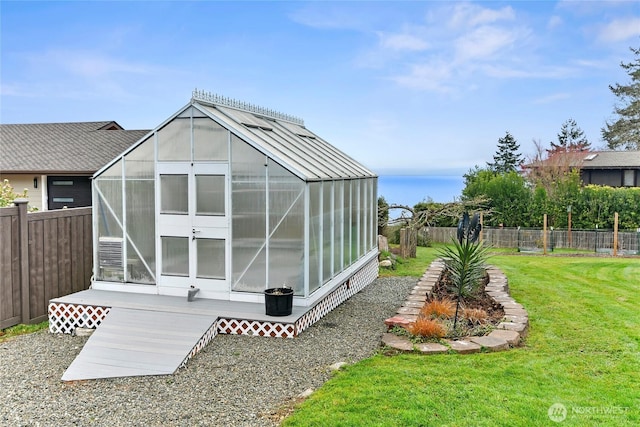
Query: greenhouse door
point(193, 229)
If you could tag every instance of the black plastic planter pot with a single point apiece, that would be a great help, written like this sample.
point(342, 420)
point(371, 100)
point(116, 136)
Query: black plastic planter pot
point(278, 301)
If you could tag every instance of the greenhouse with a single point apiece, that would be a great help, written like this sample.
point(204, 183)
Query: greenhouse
point(230, 199)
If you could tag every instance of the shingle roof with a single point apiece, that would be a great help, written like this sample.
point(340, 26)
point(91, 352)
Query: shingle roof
point(593, 160)
point(62, 147)
point(611, 160)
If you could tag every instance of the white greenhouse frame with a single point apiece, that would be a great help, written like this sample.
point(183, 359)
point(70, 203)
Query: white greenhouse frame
point(232, 199)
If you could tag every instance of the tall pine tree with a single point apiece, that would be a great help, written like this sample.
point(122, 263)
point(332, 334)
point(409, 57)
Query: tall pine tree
point(507, 157)
point(570, 139)
point(625, 131)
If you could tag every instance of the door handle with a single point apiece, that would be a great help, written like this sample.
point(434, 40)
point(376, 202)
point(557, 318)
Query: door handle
point(193, 233)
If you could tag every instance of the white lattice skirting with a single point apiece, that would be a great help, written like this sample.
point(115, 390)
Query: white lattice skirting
point(65, 318)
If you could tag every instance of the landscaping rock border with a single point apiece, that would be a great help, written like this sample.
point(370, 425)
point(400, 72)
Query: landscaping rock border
point(508, 334)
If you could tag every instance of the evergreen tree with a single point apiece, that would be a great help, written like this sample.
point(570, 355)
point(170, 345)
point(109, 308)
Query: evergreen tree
point(625, 131)
point(570, 139)
point(507, 158)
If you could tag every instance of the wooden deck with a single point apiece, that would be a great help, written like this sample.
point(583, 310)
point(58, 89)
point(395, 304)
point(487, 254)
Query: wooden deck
point(169, 304)
point(132, 342)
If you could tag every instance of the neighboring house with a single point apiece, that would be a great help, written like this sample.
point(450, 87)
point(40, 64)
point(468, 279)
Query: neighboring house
point(55, 161)
point(611, 168)
point(232, 199)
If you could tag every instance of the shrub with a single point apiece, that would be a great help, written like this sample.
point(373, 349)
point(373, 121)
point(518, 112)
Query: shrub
point(438, 308)
point(476, 316)
point(427, 328)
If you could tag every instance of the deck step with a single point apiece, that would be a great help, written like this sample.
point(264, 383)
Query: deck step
point(131, 342)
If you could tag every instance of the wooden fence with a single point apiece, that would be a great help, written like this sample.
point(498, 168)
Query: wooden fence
point(531, 239)
point(43, 255)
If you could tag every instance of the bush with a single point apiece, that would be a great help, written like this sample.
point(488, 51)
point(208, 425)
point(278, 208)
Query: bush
point(438, 308)
point(427, 328)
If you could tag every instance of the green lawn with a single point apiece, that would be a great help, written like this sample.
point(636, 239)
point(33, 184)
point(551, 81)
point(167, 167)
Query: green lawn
point(583, 351)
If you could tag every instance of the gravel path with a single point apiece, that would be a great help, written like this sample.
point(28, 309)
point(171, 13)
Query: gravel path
point(234, 381)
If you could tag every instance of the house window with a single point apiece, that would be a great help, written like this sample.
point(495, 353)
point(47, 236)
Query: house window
point(628, 178)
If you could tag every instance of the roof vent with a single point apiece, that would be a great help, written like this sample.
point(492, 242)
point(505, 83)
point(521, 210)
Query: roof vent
point(591, 156)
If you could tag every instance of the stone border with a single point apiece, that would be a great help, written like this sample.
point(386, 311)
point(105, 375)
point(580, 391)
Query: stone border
point(509, 333)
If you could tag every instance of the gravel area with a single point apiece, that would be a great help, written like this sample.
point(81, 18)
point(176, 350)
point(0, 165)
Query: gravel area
point(234, 381)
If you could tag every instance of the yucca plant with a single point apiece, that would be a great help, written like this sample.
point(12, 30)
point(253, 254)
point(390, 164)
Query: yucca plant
point(466, 260)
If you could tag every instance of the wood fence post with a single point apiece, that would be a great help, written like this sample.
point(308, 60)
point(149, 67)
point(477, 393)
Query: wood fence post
point(544, 235)
point(23, 259)
point(615, 234)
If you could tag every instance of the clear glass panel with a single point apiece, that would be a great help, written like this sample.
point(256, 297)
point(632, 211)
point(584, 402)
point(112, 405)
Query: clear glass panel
point(174, 194)
point(210, 197)
point(315, 238)
point(140, 162)
point(210, 258)
point(210, 140)
point(174, 141)
point(338, 233)
point(327, 231)
point(286, 229)
point(346, 223)
point(175, 256)
point(248, 186)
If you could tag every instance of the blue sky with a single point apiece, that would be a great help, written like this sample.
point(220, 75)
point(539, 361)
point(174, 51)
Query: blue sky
point(415, 87)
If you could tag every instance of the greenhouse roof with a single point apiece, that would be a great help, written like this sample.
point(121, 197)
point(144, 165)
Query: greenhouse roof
point(281, 137)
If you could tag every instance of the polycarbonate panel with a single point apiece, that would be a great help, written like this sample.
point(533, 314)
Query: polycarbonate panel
point(338, 234)
point(211, 258)
point(174, 141)
point(140, 162)
point(248, 217)
point(210, 197)
point(312, 158)
point(141, 231)
point(286, 229)
point(315, 236)
point(327, 231)
point(346, 224)
point(355, 200)
point(109, 207)
point(174, 194)
point(373, 204)
point(175, 256)
point(362, 223)
point(210, 140)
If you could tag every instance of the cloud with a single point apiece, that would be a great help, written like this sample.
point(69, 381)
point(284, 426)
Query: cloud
point(87, 64)
point(402, 41)
point(432, 76)
point(469, 15)
point(484, 42)
point(620, 30)
point(554, 22)
point(549, 99)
